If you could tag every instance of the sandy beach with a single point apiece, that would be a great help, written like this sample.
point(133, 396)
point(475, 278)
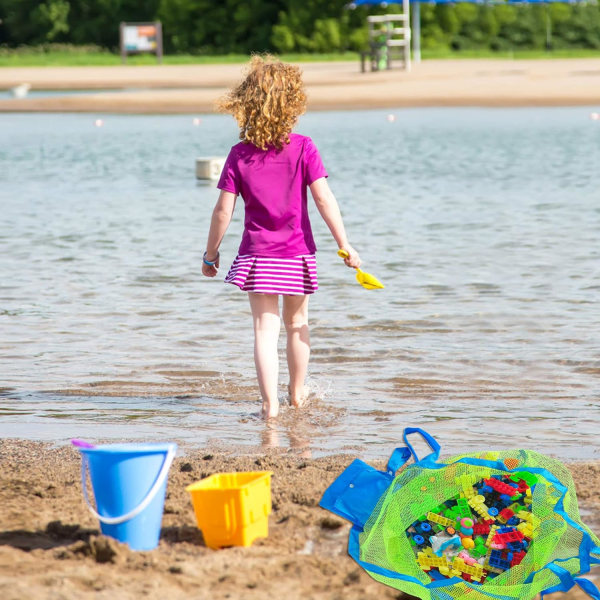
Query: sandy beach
point(334, 85)
point(51, 547)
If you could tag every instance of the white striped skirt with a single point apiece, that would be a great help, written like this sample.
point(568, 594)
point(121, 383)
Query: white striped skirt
point(293, 276)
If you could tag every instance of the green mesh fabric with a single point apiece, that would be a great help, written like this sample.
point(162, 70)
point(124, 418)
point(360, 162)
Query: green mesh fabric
point(417, 490)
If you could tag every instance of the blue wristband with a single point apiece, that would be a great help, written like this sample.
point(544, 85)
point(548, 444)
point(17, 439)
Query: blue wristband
point(208, 262)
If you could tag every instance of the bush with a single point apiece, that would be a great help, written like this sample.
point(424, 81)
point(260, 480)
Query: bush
point(283, 39)
point(327, 37)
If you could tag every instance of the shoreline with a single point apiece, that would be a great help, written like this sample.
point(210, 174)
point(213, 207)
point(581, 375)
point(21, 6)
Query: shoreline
point(183, 89)
point(51, 545)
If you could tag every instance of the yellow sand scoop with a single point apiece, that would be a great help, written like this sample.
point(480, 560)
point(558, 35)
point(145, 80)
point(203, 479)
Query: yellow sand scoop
point(365, 279)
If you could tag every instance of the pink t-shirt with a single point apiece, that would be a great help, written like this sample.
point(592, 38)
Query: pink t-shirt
point(273, 184)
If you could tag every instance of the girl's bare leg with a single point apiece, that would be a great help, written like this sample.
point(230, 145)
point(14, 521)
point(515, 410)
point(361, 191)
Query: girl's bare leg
point(295, 319)
point(265, 316)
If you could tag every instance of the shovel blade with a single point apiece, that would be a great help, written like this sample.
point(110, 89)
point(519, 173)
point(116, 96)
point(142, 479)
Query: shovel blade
point(368, 281)
point(365, 279)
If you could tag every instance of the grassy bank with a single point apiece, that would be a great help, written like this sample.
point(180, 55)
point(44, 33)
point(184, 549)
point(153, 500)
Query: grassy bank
point(70, 56)
point(67, 56)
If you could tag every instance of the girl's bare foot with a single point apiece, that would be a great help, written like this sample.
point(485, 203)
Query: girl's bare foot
point(300, 398)
point(270, 409)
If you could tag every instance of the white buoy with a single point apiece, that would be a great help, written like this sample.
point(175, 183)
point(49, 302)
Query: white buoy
point(196, 121)
point(391, 118)
point(98, 122)
point(595, 116)
point(21, 90)
point(209, 167)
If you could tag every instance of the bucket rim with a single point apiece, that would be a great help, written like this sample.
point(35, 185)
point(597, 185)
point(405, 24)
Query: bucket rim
point(130, 448)
point(204, 483)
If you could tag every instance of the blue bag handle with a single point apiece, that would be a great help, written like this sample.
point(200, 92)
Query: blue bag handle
point(567, 581)
point(399, 458)
point(431, 442)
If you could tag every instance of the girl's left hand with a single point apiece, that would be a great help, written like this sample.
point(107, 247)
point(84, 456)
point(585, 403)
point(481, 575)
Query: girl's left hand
point(210, 270)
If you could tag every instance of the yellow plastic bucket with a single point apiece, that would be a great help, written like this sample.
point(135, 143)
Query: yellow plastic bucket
point(232, 509)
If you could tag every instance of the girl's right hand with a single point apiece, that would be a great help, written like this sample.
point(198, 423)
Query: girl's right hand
point(210, 270)
point(353, 259)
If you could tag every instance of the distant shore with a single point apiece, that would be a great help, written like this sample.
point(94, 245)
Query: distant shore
point(330, 86)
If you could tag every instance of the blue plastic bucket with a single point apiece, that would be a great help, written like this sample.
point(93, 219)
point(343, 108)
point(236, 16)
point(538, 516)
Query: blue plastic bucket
point(129, 483)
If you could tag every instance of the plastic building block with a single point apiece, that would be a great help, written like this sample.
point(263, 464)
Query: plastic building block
point(480, 548)
point(427, 561)
point(462, 505)
point(451, 513)
point(481, 529)
point(526, 529)
point(491, 535)
point(508, 534)
point(497, 561)
point(530, 478)
point(439, 519)
point(505, 515)
point(501, 487)
point(477, 503)
point(475, 571)
point(488, 567)
point(514, 546)
point(435, 575)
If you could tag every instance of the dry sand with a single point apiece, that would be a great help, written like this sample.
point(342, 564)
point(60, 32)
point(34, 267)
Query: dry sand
point(51, 549)
point(336, 85)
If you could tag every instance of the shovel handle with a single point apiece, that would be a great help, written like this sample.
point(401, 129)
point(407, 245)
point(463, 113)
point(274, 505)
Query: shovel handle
point(344, 254)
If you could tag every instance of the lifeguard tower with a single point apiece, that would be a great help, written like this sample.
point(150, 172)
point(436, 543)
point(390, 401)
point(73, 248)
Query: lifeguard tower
point(389, 41)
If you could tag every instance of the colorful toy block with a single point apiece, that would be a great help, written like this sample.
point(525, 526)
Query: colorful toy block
point(508, 534)
point(475, 571)
point(497, 561)
point(477, 503)
point(505, 515)
point(462, 504)
point(481, 529)
point(491, 535)
point(500, 486)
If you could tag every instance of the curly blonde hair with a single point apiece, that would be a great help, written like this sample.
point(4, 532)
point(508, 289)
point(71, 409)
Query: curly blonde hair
point(267, 103)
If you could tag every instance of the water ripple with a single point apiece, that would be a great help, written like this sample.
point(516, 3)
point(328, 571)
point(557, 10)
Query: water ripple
point(483, 225)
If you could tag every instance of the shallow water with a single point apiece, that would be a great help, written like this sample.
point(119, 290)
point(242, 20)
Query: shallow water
point(482, 223)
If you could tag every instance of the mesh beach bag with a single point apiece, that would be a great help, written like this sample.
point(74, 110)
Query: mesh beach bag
point(502, 525)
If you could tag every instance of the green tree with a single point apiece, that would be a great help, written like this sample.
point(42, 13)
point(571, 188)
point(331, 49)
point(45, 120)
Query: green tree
point(208, 27)
point(97, 21)
point(55, 13)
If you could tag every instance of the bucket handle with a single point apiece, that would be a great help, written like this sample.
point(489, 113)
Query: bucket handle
point(142, 505)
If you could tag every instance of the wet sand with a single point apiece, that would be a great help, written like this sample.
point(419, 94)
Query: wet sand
point(336, 85)
point(50, 546)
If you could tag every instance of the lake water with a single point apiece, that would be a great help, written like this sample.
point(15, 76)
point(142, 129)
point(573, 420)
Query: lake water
point(484, 225)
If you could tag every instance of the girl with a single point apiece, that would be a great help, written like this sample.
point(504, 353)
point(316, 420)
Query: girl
point(271, 168)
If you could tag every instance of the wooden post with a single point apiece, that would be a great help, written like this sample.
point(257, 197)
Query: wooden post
point(416, 30)
point(122, 42)
point(159, 42)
